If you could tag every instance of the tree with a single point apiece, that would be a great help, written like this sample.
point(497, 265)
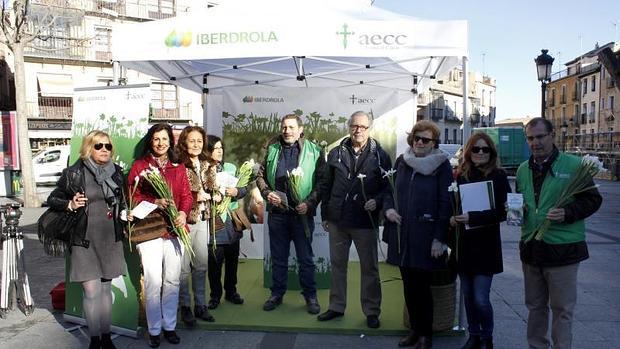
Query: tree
point(16, 32)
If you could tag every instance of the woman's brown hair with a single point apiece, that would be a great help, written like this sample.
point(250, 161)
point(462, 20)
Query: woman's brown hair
point(467, 164)
point(181, 147)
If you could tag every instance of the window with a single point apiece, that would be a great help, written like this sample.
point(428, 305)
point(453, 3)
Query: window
point(563, 95)
point(592, 109)
point(594, 83)
point(454, 136)
point(483, 99)
point(552, 101)
point(611, 102)
point(446, 135)
point(584, 83)
point(584, 113)
point(103, 51)
point(164, 101)
point(563, 115)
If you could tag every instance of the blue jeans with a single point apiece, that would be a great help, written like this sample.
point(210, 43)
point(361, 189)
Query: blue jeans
point(284, 228)
point(476, 289)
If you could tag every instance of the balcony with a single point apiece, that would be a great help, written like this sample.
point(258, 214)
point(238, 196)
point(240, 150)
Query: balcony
point(50, 108)
point(140, 9)
point(551, 102)
point(563, 99)
point(575, 95)
point(591, 118)
point(584, 118)
point(610, 82)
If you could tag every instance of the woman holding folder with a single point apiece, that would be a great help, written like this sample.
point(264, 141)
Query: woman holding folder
point(478, 243)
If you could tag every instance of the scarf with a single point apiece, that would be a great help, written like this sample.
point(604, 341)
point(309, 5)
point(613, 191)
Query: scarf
point(426, 165)
point(103, 177)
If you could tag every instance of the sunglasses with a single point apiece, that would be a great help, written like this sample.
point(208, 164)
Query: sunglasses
point(98, 146)
point(477, 150)
point(424, 140)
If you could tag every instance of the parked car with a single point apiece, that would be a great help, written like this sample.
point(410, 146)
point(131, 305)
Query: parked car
point(49, 163)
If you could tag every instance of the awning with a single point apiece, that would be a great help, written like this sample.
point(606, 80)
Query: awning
point(55, 85)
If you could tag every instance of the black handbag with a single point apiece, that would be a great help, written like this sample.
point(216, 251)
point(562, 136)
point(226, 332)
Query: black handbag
point(55, 229)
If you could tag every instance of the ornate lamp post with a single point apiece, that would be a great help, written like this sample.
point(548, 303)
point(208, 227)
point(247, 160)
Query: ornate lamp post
point(544, 62)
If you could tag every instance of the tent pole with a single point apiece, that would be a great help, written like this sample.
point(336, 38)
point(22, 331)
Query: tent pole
point(205, 92)
point(466, 126)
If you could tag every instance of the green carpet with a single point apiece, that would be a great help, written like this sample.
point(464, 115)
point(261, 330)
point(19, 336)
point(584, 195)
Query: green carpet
point(291, 315)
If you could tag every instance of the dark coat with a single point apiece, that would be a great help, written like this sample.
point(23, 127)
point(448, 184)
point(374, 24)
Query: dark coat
point(480, 247)
point(72, 182)
point(424, 204)
point(341, 189)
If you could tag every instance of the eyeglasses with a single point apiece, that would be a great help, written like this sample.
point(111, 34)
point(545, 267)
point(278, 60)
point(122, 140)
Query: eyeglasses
point(477, 150)
point(98, 146)
point(424, 140)
point(538, 137)
point(358, 127)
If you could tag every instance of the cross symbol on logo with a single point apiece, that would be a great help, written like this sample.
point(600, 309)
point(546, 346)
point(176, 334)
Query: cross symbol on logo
point(344, 34)
point(352, 98)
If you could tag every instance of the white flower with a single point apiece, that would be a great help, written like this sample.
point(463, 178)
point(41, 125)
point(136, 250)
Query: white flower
point(361, 176)
point(389, 173)
point(591, 159)
point(297, 172)
point(136, 179)
point(453, 188)
point(323, 143)
point(143, 174)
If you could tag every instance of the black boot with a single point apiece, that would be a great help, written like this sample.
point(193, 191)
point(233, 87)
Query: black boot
point(486, 343)
point(473, 342)
point(106, 341)
point(409, 340)
point(95, 342)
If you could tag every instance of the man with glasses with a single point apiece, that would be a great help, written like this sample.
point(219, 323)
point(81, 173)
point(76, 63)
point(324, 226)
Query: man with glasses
point(286, 153)
point(352, 190)
point(550, 265)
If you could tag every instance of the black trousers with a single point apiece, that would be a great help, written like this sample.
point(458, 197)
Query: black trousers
point(227, 255)
point(419, 299)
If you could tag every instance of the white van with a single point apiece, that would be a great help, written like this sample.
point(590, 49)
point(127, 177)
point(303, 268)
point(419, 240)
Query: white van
point(49, 163)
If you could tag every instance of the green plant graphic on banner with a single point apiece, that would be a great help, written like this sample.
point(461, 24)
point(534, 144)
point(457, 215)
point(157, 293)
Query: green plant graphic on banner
point(121, 112)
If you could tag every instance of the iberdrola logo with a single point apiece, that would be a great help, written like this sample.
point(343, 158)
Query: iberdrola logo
point(175, 39)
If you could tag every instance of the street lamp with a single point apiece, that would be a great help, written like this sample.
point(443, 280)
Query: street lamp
point(564, 128)
point(544, 62)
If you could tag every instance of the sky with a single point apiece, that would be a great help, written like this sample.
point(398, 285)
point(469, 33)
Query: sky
point(510, 34)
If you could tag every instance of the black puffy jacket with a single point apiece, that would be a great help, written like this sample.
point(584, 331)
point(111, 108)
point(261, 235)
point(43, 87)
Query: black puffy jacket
point(72, 182)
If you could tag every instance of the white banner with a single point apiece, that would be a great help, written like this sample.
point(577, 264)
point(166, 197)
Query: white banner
point(251, 117)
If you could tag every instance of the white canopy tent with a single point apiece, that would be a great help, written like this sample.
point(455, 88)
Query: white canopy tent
point(293, 43)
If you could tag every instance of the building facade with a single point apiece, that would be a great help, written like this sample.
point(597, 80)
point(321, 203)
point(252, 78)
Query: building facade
point(75, 52)
point(443, 104)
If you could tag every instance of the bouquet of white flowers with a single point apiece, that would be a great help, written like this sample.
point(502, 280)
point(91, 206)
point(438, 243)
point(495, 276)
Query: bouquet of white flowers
point(294, 179)
point(162, 189)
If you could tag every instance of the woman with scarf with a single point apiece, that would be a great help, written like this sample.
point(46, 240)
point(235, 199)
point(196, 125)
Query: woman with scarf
point(423, 210)
point(161, 257)
point(192, 152)
point(93, 189)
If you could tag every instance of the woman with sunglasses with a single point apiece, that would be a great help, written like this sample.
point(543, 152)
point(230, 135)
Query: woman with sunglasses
point(423, 175)
point(161, 257)
point(93, 189)
point(479, 248)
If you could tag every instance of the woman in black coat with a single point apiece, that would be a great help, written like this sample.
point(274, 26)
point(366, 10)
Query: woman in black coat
point(479, 249)
point(423, 175)
point(92, 188)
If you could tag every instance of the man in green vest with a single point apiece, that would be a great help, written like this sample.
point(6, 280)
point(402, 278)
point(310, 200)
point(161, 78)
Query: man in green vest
point(550, 265)
point(290, 219)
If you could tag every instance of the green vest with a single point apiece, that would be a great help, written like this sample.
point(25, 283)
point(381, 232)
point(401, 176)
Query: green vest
point(232, 170)
point(308, 158)
point(556, 180)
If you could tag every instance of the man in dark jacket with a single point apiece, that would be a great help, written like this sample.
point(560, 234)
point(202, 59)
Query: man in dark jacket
point(550, 264)
point(352, 189)
point(290, 219)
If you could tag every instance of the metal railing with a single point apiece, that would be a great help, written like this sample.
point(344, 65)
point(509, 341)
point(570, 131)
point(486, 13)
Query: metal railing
point(139, 9)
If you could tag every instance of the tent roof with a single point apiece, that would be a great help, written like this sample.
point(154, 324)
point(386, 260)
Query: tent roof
point(292, 43)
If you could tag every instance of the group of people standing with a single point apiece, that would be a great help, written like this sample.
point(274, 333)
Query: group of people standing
point(358, 188)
